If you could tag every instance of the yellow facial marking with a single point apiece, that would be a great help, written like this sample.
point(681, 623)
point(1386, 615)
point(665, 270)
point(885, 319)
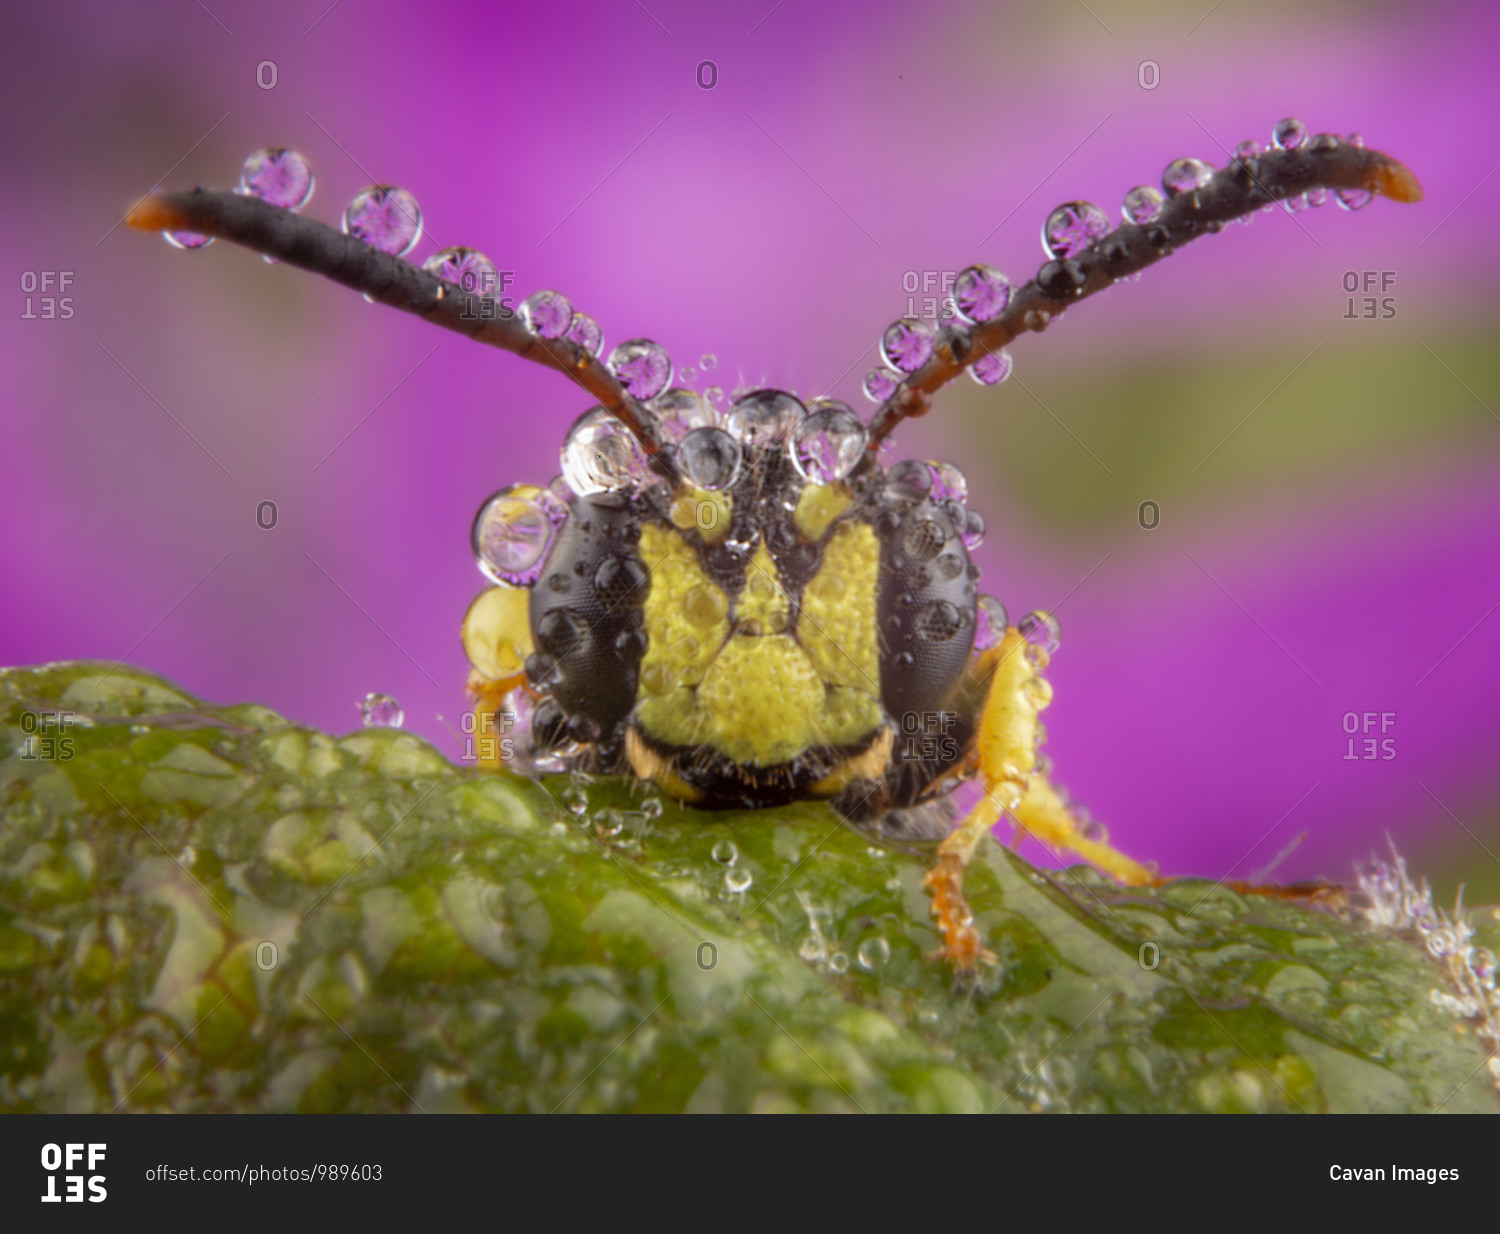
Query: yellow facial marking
point(706, 509)
point(818, 506)
point(751, 689)
point(837, 625)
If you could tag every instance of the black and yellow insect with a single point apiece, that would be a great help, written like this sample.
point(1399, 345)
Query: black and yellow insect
point(712, 606)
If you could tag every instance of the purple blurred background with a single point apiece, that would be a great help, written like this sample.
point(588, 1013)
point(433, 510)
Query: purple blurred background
point(1336, 555)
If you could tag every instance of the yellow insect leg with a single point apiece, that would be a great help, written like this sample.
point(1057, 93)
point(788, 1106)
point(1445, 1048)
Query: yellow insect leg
point(1005, 750)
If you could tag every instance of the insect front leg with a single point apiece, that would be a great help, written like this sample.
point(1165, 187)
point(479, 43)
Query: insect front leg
point(1014, 692)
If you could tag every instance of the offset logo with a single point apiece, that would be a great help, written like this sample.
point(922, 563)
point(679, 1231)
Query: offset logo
point(53, 1159)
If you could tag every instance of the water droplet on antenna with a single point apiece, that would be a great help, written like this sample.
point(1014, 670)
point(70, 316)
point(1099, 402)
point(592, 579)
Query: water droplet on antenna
point(1289, 133)
point(1073, 227)
point(384, 217)
point(980, 293)
point(277, 176)
point(880, 384)
point(1186, 175)
point(584, 331)
point(465, 268)
point(547, 313)
point(764, 417)
point(1142, 205)
point(874, 953)
point(992, 369)
point(642, 366)
point(907, 344)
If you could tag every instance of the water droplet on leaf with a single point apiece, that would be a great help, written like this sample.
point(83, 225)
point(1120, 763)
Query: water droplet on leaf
point(873, 954)
point(737, 882)
point(725, 852)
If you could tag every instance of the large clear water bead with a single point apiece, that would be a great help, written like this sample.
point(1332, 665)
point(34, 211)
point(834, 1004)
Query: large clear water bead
point(948, 483)
point(992, 369)
point(642, 367)
point(465, 268)
point(1186, 176)
point(710, 458)
point(678, 412)
point(1142, 205)
point(512, 532)
point(980, 293)
point(585, 331)
point(1040, 629)
point(827, 444)
point(1289, 133)
point(547, 313)
point(907, 344)
point(764, 417)
point(1073, 227)
point(279, 177)
point(600, 456)
point(879, 384)
point(384, 217)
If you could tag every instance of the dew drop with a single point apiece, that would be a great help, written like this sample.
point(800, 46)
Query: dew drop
point(990, 623)
point(827, 444)
point(1354, 199)
point(992, 369)
point(381, 711)
point(1317, 197)
point(1295, 204)
point(1142, 205)
point(547, 313)
point(189, 240)
point(948, 483)
point(909, 479)
point(973, 532)
point(880, 384)
point(466, 268)
point(874, 953)
point(1073, 227)
point(1186, 176)
point(737, 882)
point(277, 176)
point(725, 852)
point(512, 531)
point(384, 217)
point(763, 418)
point(1289, 133)
point(708, 361)
point(584, 331)
point(980, 293)
point(600, 456)
point(1355, 140)
point(715, 395)
point(1248, 149)
point(687, 374)
point(651, 807)
point(710, 457)
point(907, 344)
point(642, 366)
point(678, 412)
point(839, 962)
point(1041, 630)
point(1323, 142)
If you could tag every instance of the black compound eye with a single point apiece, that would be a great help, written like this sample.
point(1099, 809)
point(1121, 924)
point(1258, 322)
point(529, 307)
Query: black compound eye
point(618, 580)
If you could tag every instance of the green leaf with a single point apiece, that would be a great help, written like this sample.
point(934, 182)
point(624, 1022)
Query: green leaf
point(208, 908)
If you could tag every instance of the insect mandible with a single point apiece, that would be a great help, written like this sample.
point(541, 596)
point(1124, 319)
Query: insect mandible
point(748, 609)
